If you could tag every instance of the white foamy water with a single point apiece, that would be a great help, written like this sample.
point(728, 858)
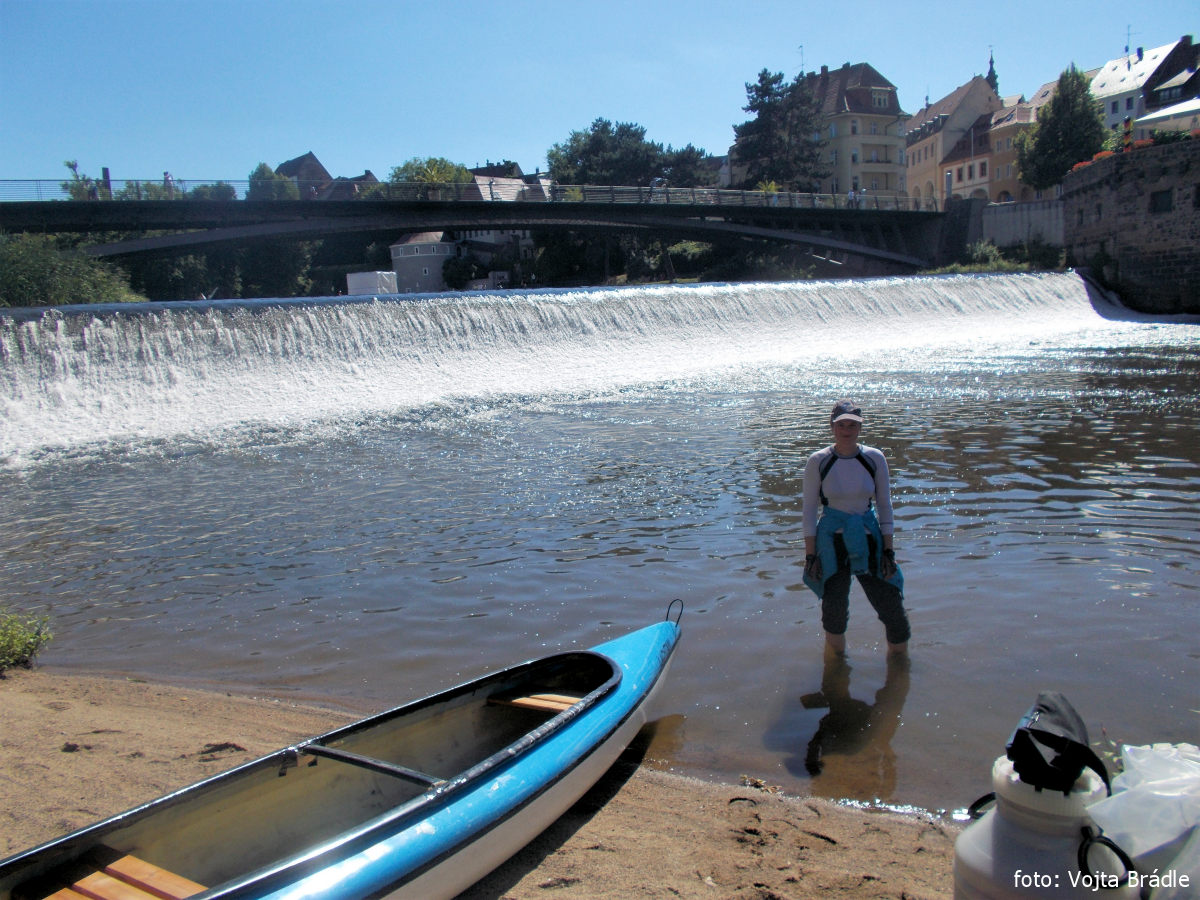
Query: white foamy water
point(155, 373)
point(364, 501)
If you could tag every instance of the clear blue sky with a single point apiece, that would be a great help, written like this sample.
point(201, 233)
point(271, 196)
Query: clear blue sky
point(210, 88)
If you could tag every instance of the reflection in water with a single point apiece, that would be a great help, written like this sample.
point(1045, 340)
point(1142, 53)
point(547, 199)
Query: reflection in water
point(375, 500)
point(851, 755)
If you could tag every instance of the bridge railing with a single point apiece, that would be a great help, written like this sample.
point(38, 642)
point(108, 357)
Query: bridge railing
point(13, 190)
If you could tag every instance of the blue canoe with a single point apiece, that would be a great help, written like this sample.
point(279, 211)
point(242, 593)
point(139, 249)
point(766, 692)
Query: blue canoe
point(419, 801)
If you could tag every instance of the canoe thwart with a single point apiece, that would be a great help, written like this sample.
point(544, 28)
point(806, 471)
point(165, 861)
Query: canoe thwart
point(544, 702)
point(375, 765)
point(110, 875)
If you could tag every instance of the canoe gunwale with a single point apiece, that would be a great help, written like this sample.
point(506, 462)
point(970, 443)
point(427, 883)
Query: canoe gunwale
point(646, 692)
point(440, 794)
point(75, 844)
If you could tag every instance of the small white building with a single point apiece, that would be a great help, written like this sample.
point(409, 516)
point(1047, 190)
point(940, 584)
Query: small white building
point(360, 284)
point(417, 260)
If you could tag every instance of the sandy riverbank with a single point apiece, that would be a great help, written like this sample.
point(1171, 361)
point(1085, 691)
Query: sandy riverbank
point(77, 748)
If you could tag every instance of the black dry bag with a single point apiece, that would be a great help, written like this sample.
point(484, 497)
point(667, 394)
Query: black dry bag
point(1049, 747)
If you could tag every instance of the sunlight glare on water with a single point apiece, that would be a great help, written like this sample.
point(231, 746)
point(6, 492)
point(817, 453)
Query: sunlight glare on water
point(366, 500)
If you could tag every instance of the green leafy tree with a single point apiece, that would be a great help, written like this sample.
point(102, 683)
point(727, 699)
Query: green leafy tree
point(430, 170)
point(1068, 130)
point(82, 187)
point(266, 185)
point(688, 167)
point(458, 271)
point(420, 176)
point(607, 154)
point(276, 267)
point(219, 191)
point(782, 142)
point(36, 271)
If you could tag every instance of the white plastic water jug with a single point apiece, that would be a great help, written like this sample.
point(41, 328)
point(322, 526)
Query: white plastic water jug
point(1027, 846)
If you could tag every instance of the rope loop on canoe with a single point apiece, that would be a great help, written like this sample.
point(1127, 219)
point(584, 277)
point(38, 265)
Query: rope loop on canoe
point(671, 606)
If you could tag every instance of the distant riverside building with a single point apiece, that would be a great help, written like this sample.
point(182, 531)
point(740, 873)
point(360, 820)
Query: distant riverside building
point(934, 137)
point(1143, 82)
point(1016, 116)
point(313, 181)
point(862, 125)
point(417, 260)
point(510, 248)
point(864, 130)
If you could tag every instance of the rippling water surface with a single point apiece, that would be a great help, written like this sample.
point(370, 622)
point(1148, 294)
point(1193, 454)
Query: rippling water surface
point(364, 502)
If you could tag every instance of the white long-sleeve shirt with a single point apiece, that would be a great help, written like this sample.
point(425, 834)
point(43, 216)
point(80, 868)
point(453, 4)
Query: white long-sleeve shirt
point(849, 487)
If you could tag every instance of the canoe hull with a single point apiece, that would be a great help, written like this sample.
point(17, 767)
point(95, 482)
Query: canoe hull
point(370, 810)
point(492, 848)
point(456, 847)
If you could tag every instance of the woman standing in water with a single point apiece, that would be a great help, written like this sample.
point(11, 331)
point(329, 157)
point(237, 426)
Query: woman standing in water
point(844, 485)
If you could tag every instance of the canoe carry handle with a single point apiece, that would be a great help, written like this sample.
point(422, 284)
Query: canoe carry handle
point(671, 606)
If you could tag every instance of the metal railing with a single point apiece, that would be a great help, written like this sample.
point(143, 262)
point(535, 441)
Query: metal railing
point(132, 190)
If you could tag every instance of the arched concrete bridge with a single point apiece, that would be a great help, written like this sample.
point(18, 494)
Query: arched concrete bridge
point(898, 238)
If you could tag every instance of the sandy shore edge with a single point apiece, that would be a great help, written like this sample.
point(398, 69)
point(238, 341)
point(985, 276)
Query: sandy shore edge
point(77, 748)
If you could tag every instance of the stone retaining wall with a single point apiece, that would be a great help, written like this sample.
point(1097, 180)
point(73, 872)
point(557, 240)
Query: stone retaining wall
point(1015, 224)
point(1134, 220)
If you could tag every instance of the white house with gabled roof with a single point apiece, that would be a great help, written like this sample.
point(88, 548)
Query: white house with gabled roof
point(1121, 85)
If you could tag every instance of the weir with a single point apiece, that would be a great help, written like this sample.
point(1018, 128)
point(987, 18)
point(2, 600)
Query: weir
point(374, 498)
point(78, 375)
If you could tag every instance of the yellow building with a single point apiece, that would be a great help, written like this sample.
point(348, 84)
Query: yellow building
point(863, 129)
point(935, 132)
point(862, 126)
point(1018, 115)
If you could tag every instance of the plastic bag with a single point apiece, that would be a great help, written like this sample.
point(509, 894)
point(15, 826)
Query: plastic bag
point(1155, 804)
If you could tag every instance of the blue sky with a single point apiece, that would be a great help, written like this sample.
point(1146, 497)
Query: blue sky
point(210, 88)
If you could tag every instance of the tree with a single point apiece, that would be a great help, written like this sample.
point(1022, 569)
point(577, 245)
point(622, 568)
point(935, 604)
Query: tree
point(607, 154)
point(430, 170)
point(80, 187)
point(688, 167)
point(265, 184)
point(36, 271)
point(459, 271)
point(1068, 130)
point(782, 142)
point(275, 268)
point(220, 191)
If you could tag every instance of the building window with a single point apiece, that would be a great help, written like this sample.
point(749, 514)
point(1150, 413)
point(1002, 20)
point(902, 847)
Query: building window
point(983, 169)
point(854, 126)
point(1114, 107)
point(1129, 103)
point(833, 129)
point(970, 172)
point(959, 174)
point(874, 128)
point(854, 156)
point(1162, 201)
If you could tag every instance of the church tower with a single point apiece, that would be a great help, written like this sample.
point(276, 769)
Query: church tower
point(991, 75)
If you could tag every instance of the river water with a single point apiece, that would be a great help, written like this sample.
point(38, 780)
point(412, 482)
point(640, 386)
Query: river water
point(361, 501)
